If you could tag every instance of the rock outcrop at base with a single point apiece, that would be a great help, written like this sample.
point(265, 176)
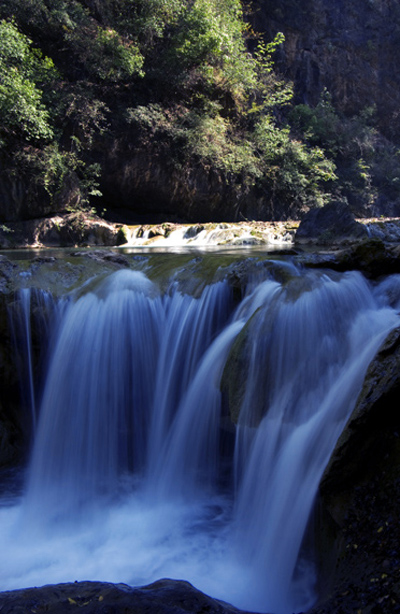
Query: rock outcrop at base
point(161, 597)
point(61, 231)
point(360, 491)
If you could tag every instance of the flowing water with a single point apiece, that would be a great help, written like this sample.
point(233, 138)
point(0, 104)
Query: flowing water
point(136, 472)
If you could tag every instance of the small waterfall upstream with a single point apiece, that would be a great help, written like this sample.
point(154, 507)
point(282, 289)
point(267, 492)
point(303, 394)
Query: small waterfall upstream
point(137, 471)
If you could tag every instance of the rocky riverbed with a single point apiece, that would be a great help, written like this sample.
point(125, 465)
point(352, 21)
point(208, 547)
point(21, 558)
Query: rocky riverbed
point(83, 230)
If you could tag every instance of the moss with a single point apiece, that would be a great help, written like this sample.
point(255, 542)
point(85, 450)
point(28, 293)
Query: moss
point(233, 381)
point(235, 375)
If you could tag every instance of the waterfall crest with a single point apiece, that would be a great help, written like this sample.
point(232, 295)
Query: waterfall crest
point(136, 458)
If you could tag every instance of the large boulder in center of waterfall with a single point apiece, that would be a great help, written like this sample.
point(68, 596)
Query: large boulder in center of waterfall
point(332, 224)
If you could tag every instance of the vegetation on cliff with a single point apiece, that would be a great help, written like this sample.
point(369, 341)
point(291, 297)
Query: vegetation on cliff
point(82, 81)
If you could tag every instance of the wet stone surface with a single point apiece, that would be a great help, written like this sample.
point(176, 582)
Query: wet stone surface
point(161, 597)
point(368, 570)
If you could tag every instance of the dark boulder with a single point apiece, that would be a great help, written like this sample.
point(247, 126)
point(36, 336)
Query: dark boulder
point(363, 441)
point(332, 224)
point(360, 491)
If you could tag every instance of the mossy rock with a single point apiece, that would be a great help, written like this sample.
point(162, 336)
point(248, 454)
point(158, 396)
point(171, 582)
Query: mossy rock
point(372, 257)
point(234, 376)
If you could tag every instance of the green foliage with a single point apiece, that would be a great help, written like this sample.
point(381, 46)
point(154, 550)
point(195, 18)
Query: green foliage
point(149, 20)
point(321, 125)
point(116, 60)
point(177, 74)
point(198, 38)
point(54, 169)
point(87, 118)
point(22, 71)
point(105, 55)
point(28, 131)
point(215, 142)
point(291, 169)
point(265, 155)
point(155, 121)
point(268, 93)
point(210, 38)
point(385, 170)
point(367, 165)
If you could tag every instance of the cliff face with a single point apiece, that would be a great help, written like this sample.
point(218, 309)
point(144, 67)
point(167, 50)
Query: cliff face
point(146, 186)
point(349, 47)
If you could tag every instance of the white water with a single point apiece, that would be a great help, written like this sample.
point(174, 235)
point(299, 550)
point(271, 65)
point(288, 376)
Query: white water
point(213, 235)
point(129, 478)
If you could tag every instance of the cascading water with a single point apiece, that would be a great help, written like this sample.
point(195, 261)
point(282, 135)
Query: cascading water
point(134, 473)
point(309, 357)
point(39, 305)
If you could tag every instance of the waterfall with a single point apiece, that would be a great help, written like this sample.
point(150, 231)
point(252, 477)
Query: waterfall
point(309, 356)
point(39, 306)
point(137, 471)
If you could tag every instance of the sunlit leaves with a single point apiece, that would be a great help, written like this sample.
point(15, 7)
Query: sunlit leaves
point(21, 70)
point(114, 58)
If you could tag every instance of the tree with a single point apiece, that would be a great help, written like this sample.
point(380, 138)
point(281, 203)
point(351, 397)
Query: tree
point(22, 71)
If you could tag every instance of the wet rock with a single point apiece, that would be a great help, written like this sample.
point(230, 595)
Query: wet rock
point(360, 491)
point(234, 376)
point(376, 411)
point(248, 360)
point(161, 597)
point(122, 236)
point(6, 270)
point(103, 256)
point(193, 231)
point(10, 448)
point(160, 231)
point(155, 231)
point(387, 229)
point(10, 427)
point(373, 257)
point(79, 229)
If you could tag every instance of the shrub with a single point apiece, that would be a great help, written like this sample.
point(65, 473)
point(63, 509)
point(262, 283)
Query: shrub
point(22, 71)
point(291, 169)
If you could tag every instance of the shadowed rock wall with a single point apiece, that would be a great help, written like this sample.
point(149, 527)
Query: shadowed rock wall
point(349, 47)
